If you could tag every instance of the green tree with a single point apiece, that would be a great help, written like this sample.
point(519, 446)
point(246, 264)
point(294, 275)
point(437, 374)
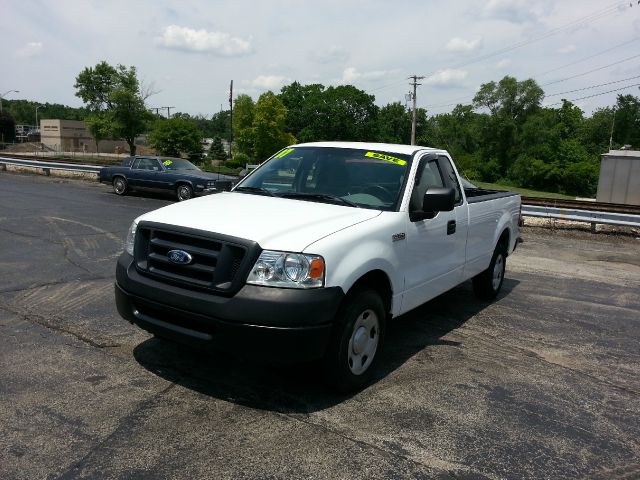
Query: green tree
point(115, 92)
point(626, 130)
point(394, 124)
point(269, 124)
point(303, 102)
point(24, 111)
point(510, 103)
point(217, 149)
point(100, 128)
point(243, 112)
point(596, 130)
point(175, 137)
point(334, 113)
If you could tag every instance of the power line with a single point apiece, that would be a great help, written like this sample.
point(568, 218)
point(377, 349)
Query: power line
point(590, 71)
point(455, 101)
point(592, 86)
point(596, 15)
point(589, 57)
point(612, 8)
point(596, 95)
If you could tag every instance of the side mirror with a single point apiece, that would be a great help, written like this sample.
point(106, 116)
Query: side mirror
point(435, 200)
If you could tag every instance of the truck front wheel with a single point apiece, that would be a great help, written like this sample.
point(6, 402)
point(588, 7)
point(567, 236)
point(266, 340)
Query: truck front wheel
point(487, 284)
point(357, 341)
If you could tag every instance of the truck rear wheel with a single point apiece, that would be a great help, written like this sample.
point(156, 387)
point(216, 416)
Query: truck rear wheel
point(487, 285)
point(357, 341)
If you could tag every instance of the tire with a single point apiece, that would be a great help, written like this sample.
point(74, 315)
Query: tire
point(120, 186)
point(184, 192)
point(487, 284)
point(356, 342)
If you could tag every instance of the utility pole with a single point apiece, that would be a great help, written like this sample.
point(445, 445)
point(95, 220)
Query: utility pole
point(613, 122)
point(230, 117)
point(168, 111)
point(413, 122)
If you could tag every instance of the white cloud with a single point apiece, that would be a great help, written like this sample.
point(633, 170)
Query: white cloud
point(351, 75)
point(31, 49)
point(449, 77)
point(567, 49)
point(334, 53)
point(269, 82)
point(460, 45)
point(504, 63)
point(203, 41)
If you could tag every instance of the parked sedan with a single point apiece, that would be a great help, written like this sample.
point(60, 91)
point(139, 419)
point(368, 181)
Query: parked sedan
point(174, 175)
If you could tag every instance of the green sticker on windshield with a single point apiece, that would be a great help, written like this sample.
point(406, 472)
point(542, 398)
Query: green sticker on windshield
point(386, 158)
point(167, 162)
point(284, 153)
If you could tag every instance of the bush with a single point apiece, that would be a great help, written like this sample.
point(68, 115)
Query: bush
point(534, 173)
point(581, 178)
point(238, 160)
point(489, 170)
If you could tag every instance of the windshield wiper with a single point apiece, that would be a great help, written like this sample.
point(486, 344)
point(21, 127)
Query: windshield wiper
point(321, 197)
point(258, 190)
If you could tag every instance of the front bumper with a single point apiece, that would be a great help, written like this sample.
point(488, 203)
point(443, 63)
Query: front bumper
point(273, 323)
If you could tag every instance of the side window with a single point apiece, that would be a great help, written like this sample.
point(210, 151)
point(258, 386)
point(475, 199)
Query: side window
point(427, 176)
point(147, 164)
point(136, 164)
point(450, 177)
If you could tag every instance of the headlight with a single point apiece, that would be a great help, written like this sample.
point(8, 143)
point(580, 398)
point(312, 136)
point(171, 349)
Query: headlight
point(290, 270)
point(131, 237)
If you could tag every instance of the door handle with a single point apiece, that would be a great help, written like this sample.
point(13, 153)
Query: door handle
point(451, 227)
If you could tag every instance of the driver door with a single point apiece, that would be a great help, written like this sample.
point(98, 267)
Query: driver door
point(435, 253)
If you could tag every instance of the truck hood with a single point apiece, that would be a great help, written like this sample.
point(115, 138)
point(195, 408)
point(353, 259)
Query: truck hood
point(275, 223)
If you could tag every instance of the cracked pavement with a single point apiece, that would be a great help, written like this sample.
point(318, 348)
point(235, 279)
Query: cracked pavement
point(542, 383)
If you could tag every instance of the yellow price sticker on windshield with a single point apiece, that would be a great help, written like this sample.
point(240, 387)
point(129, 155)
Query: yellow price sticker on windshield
point(167, 162)
point(386, 158)
point(284, 153)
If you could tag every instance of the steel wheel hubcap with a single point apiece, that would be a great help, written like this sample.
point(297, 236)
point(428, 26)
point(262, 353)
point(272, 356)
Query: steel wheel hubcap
point(119, 186)
point(184, 193)
point(363, 342)
point(498, 270)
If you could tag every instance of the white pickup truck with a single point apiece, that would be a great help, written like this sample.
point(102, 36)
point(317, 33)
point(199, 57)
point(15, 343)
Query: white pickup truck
point(314, 252)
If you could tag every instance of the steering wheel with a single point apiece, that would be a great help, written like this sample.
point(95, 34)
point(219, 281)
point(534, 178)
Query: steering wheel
point(379, 192)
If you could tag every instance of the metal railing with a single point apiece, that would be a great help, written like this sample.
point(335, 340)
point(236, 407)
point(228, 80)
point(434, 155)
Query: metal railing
point(595, 214)
point(48, 166)
point(589, 216)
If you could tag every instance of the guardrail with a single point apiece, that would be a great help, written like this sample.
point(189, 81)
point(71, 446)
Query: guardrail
point(596, 213)
point(48, 166)
point(589, 216)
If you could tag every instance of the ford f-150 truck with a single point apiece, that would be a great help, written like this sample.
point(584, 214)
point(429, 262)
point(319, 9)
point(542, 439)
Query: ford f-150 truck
point(311, 255)
point(173, 175)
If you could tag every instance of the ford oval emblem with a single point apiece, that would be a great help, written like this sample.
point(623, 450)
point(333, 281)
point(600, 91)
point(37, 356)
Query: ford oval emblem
point(180, 257)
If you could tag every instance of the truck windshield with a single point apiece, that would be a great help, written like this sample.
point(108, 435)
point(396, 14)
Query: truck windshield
point(344, 176)
point(178, 164)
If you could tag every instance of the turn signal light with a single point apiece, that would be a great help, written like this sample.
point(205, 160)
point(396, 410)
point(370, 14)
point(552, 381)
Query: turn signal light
point(317, 268)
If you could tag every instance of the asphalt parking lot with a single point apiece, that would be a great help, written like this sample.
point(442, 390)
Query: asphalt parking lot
point(543, 383)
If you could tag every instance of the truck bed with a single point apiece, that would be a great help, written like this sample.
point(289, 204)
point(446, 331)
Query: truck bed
point(475, 195)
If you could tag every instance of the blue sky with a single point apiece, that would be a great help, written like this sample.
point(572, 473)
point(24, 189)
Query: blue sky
point(189, 51)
